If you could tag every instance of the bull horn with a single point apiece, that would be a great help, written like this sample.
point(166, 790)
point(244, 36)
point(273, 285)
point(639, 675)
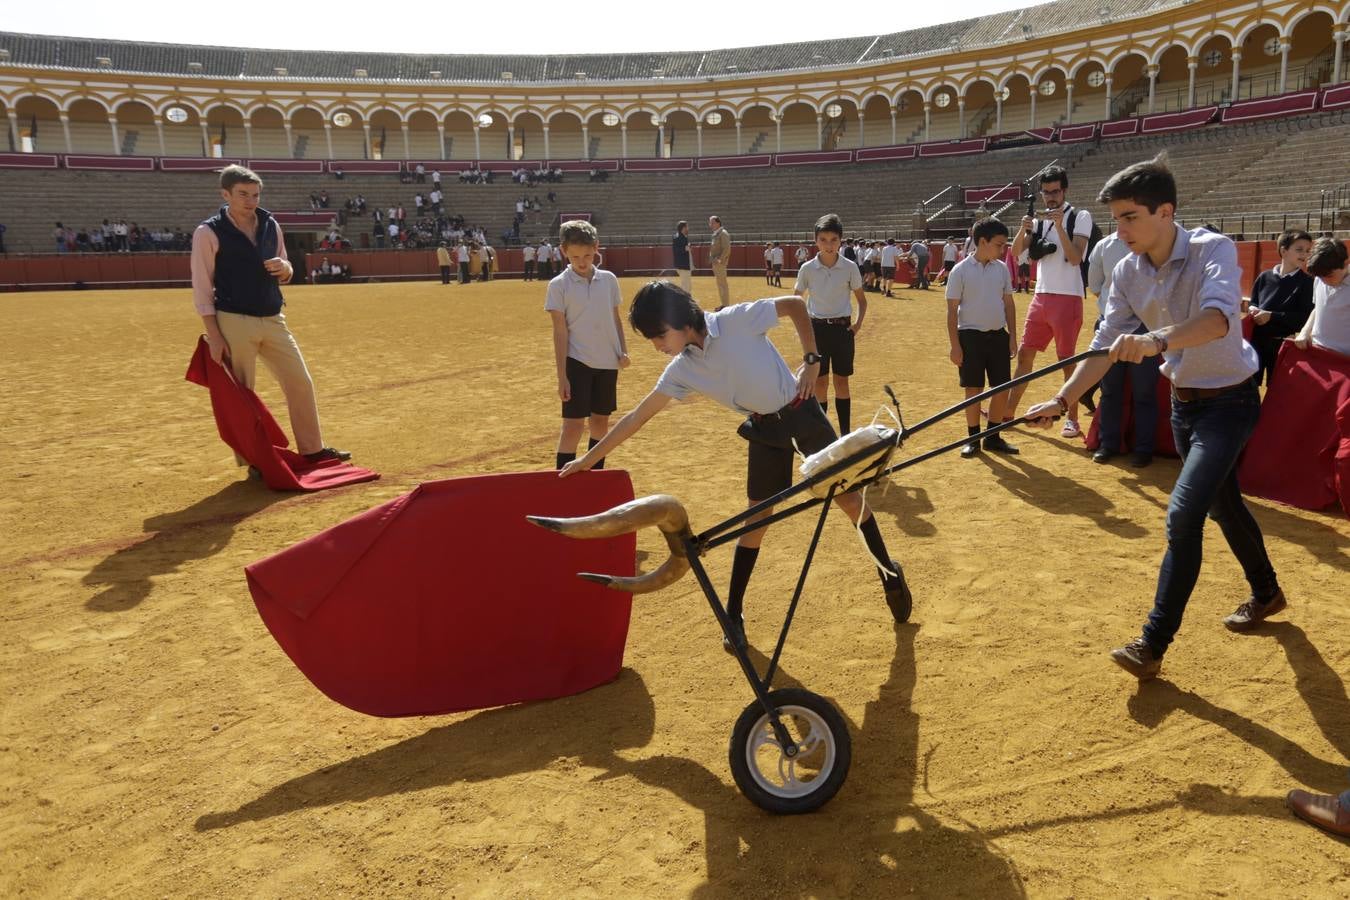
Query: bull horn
point(660, 510)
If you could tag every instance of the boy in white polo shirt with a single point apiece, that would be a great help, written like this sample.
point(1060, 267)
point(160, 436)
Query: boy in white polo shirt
point(588, 342)
point(527, 255)
point(727, 356)
point(888, 254)
point(777, 259)
point(982, 327)
point(826, 282)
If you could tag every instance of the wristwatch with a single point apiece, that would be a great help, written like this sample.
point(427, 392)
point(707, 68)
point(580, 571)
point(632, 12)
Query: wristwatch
point(811, 359)
point(1158, 341)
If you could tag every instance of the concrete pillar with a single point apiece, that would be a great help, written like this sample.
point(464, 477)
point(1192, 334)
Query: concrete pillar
point(778, 132)
point(961, 113)
point(1191, 65)
point(585, 141)
point(1284, 63)
point(698, 128)
point(1339, 37)
point(477, 141)
point(290, 141)
point(407, 143)
point(1106, 104)
point(862, 130)
point(547, 154)
point(14, 130)
point(206, 138)
point(248, 137)
point(1068, 103)
point(623, 139)
point(927, 119)
point(998, 112)
point(116, 138)
point(70, 147)
point(440, 134)
point(1152, 86)
point(511, 142)
point(1034, 94)
point(328, 137)
point(1237, 82)
point(365, 130)
point(739, 151)
point(820, 132)
point(894, 136)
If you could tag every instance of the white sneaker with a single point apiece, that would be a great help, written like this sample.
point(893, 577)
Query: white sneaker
point(1071, 429)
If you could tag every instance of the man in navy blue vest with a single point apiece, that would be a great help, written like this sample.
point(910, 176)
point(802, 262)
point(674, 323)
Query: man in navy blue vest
point(238, 266)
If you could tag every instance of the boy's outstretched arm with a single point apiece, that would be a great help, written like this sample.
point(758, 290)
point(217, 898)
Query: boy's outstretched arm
point(795, 309)
point(626, 427)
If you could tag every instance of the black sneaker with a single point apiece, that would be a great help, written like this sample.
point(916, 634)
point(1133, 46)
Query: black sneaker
point(328, 453)
point(1138, 659)
point(1141, 459)
point(970, 450)
point(898, 597)
point(738, 632)
point(997, 444)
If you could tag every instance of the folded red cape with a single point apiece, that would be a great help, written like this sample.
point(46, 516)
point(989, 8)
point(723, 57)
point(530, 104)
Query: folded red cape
point(1300, 451)
point(246, 425)
point(446, 599)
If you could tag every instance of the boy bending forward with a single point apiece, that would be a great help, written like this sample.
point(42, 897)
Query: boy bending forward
point(726, 355)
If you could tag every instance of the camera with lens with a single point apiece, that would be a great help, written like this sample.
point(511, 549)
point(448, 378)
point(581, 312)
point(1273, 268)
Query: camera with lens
point(1039, 247)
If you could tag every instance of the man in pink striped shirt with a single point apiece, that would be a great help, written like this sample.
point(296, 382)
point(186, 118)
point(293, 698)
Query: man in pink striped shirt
point(238, 266)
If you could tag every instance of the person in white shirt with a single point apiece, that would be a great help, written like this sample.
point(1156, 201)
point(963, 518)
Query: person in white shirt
point(949, 250)
point(544, 261)
point(462, 256)
point(1058, 242)
point(1329, 325)
point(776, 258)
point(801, 255)
point(827, 283)
point(888, 255)
point(527, 253)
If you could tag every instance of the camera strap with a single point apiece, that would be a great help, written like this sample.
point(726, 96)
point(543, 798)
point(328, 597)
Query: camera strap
point(1070, 216)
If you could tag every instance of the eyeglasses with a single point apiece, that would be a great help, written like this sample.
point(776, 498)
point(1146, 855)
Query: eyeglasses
point(1057, 192)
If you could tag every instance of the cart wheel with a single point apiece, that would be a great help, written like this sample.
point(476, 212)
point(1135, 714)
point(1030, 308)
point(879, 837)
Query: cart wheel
point(779, 783)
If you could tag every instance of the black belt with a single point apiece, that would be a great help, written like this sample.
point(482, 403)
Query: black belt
point(1190, 395)
point(837, 320)
point(786, 410)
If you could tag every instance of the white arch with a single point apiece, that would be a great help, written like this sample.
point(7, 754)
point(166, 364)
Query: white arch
point(1247, 30)
point(1288, 31)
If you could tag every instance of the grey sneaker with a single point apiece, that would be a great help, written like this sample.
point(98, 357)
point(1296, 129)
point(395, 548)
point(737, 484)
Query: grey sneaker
point(1253, 612)
point(1138, 659)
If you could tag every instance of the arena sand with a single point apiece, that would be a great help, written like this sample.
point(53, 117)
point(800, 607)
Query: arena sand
point(156, 741)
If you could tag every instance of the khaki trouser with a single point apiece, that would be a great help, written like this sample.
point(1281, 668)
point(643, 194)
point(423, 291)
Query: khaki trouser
point(268, 337)
point(685, 281)
point(723, 289)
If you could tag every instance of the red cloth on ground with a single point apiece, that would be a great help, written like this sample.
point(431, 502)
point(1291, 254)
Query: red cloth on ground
point(1163, 443)
point(446, 599)
point(1300, 451)
point(246, 425)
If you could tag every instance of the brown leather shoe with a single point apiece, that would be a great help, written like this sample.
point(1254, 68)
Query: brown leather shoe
point(1253, 612)
point(1137, 658)
point(1324, 811)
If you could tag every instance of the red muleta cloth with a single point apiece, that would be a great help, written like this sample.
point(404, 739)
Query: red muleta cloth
point(1300, 451)
point(445, 599)
point(246, 425)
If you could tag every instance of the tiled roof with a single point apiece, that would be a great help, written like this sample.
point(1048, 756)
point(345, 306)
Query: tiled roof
point(233, 62)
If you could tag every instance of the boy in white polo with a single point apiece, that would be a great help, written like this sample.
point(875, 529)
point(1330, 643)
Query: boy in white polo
point(982, 327)
point(727, 356)
point(888, 254)
point(527, 254)
point(588, 343)
point(777, 259)
point(826, 282)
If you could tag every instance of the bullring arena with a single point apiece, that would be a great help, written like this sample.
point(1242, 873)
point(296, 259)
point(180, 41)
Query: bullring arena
point(156, 740)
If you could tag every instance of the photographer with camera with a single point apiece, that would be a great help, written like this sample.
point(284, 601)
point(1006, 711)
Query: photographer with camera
point(1057, 239)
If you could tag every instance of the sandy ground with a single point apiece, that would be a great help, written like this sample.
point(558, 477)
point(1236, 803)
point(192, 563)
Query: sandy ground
point(155, 740)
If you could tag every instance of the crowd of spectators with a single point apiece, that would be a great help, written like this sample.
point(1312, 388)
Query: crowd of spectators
point(119, 237)
point(532, 177)
point(330, 273)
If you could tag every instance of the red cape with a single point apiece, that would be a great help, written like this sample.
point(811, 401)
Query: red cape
point(446, 599)
point(1300, 451)
point(246, 425)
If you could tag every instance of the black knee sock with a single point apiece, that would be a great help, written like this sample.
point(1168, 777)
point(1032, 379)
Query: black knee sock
point(565, 458)
point(824, 405)
point(591, 446)
point(972, 430)
point(844, 405)
point(742, 565)
point(872, 534)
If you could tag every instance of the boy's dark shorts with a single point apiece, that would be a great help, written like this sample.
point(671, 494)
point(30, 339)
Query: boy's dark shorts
point(948, 265)
point(984, 353)
point(1024, 270)
point(595, 392)
point(769, 468)
point(834, 343)
point(888, 272)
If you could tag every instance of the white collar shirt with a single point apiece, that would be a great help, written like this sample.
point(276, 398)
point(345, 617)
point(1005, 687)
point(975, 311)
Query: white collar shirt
point(828, 289)
point(1331, 316)
point(588, 305)
point(737, 365)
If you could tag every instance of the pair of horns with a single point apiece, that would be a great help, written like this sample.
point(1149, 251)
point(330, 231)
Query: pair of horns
point(660, 510)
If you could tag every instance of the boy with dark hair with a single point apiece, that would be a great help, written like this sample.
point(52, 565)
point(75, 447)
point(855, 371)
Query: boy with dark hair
point(1282, 300)
point(1184, 285)
point(1058, 241)
point(777, 258)
point(826, 281)
point(679, 247)
point(588, 343)
point(982, 327)
point(768, 263)
point(727, 356)
point(1329, 324)
point(888, 254)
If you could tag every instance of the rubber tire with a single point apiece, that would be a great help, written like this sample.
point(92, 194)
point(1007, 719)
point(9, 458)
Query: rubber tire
point(829, 786)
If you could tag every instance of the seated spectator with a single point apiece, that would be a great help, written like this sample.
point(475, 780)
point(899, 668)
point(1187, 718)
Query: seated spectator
point(557, 173)
point(339, 174)
point(552, 198)
point(323, 199)
point(1329, 325)
point(361, 204)
point(313, 200)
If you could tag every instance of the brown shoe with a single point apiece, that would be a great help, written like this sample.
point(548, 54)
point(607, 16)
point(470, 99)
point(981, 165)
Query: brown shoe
point(1324, 811)
point(1138, 659)
point(1253, 612)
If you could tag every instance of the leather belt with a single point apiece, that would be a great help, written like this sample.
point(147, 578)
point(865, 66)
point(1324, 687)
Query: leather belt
point(1190, 395)
point(759, 417)
point(837, 320)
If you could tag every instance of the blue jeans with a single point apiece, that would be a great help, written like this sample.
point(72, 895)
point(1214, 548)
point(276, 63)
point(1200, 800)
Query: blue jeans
point(1143, 378)
point(1210, 435)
